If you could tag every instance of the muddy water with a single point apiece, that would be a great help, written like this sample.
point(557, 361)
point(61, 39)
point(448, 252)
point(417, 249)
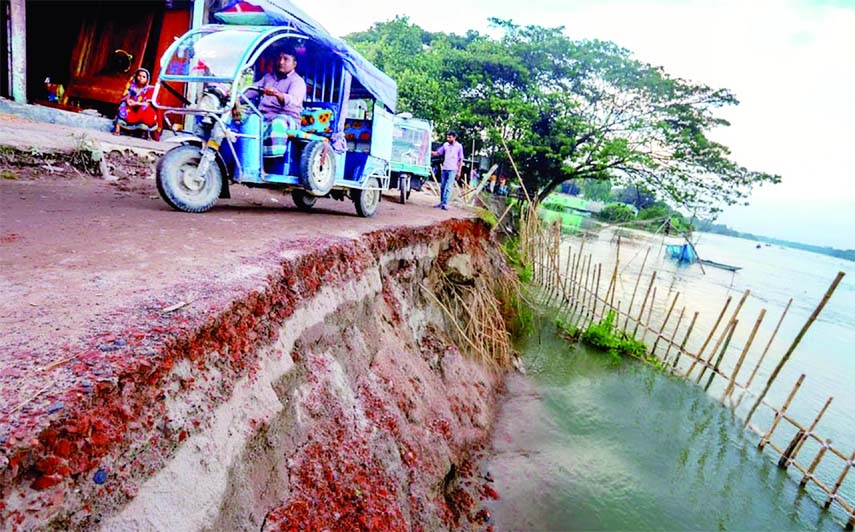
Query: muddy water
point(582, 444)
point(773, 275)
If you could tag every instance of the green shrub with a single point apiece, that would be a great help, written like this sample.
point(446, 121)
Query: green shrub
point(487, 216)
point(616, 213)
point(511, 250)
point(600, 335)
point(617, 344)
point(653, 212)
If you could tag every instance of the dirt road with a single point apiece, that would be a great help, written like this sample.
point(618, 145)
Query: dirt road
point(81, 257)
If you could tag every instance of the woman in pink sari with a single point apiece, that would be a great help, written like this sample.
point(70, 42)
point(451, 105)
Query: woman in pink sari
point(135, 109)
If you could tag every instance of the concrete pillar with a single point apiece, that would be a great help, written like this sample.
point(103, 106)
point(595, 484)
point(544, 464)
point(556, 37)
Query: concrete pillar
point(18, 47)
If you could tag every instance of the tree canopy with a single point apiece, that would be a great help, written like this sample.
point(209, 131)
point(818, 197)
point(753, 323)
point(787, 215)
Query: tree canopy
point(566, 109)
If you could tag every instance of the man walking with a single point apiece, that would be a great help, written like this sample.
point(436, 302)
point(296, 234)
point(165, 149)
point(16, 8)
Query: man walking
point(452, 164)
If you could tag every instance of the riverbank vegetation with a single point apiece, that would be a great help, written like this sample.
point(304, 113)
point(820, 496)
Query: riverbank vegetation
point(710, 227)
point(606, 337)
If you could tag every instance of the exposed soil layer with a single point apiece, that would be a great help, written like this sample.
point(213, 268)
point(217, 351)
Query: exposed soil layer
point(138, 341)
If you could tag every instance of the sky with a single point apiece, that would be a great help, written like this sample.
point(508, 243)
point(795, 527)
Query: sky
point(791, 63)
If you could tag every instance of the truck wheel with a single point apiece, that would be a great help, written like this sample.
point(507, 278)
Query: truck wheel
point(180, 187)
point(317, 168)
point(302, 200)
point(366, 201)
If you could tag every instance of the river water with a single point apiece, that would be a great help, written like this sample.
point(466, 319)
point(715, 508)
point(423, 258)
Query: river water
point(582, 444)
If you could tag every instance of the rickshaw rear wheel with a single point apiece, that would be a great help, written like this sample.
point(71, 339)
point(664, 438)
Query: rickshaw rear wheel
point(302, 200)
point(317, 168)
point(180, 187)
point(366, 200)
point(404, 187)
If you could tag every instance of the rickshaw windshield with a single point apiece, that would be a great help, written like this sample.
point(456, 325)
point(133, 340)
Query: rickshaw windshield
point(212, 54)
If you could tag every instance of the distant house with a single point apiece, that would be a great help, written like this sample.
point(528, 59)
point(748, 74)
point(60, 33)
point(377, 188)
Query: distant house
point(565, 202)
point(569, 210)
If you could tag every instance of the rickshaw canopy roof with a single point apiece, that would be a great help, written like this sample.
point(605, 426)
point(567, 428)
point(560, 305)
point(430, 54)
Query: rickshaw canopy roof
point(284, 13)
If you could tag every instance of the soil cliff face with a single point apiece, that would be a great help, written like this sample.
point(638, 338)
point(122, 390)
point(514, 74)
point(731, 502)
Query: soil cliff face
point(332, 397)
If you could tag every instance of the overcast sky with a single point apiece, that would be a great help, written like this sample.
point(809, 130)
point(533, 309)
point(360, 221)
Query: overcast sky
point(791, 63)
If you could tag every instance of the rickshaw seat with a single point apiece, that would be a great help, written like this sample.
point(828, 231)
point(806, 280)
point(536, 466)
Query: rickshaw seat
point(317, 120)
point(316, 124)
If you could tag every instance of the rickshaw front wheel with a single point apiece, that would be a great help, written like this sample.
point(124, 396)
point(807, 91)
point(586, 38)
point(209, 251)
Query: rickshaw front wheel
point(366, 200)
point(302, 200)
point(179, 184)
point(317, 168)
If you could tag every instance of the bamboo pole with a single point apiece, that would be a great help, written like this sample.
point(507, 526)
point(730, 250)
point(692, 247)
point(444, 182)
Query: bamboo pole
point(557, 251)
point(779, 413)
point(579, 300)
point(477, 190)
point(548, 262)
point(577, 273)
point(544, 262)
point(567, 284)
point(685, 340)
point(709, 336)
point(807, 434)
point(673, 334)
point(742, 355)
point(813, 465)
point(597, 290)
point(833, 495)
point(550, 274)
point(634, 290)
point(714, 370)
point(516, 171)
point(438, 189)
point(502, 217)
point(613, 282)
point(572, 275)
point(763, 355)
point(585, 291)
point(795, 343)
point(571, 289)
point(534, 250)
point(592, 294)
point(567, 287)
point(580, 267)
point(665, 323)
point(643, 304)
point(708, 363)
point(649, 315)
point(582, 296)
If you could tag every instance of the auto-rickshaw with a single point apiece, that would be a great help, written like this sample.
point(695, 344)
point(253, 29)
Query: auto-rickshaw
point(225, 137)
point(411, 151)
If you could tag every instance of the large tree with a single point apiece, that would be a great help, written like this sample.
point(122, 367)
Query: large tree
point(583, 110)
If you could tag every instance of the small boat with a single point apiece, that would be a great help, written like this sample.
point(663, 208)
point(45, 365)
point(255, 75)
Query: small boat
point(715, 264)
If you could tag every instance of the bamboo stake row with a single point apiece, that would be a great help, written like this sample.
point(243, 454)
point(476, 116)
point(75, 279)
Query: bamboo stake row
point(577, 292)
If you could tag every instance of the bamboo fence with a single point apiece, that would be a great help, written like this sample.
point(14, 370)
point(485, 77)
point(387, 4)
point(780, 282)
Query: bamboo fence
point(575, 291)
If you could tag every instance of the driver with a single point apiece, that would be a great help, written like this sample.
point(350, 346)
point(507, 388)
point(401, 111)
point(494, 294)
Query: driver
point(283, 91)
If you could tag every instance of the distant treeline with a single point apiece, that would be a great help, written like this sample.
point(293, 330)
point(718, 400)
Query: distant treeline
point(709, 227)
